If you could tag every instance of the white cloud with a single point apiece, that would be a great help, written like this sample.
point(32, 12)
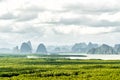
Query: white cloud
point(81, 30)
point(71, 21)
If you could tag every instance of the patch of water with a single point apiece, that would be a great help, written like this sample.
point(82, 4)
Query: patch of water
point(89, 56)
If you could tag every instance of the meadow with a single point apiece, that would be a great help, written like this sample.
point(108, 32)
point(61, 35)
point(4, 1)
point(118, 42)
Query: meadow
point(22, 68)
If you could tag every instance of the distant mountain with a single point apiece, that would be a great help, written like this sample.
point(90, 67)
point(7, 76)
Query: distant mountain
point(16, 49)
point(79, 47)
point(103, 49)
point(29, 43)
point(5, 50)
point(91, 45)
point(83, 47)
point(90, 48)
point(41, 49)
point(59, 49)
point(25, 48)
point(117, 48)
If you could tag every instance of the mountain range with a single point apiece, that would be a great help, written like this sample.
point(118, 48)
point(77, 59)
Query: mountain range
point(90, 48)
point(103, 49)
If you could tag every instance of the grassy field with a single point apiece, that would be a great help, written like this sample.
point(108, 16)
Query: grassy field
point(21, 68)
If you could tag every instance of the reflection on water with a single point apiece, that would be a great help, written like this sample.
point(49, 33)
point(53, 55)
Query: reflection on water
point(103, 57)
point(89, 56)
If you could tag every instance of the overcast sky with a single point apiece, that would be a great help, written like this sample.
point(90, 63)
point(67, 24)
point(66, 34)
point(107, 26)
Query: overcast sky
point(59, 22)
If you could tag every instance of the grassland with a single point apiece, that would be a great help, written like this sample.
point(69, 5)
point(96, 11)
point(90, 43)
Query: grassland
point(21, 68)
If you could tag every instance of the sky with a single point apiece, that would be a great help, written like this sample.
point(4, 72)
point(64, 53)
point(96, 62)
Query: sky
point(59, 22)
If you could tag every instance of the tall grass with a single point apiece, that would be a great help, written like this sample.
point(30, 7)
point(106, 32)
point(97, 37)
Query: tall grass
point(20, 68)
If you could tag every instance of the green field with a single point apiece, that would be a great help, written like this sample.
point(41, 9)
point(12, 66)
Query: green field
point(21, 68)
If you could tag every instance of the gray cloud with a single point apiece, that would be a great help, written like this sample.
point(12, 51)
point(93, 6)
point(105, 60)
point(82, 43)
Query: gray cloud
point(26, 30)
point(21, 17)
point(21, 28)
point(5, 29)
point(57, 32)
point(2, 0)
point(31, 30)
point(7, 16)
point(29, 13)
point(33, 9)
point(27, 16)
point(91, 8)
point(85, 21)
point(105, 23)
point(116, 30)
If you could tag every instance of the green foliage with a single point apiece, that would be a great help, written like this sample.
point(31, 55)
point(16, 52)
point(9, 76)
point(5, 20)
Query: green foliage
point(20, 68)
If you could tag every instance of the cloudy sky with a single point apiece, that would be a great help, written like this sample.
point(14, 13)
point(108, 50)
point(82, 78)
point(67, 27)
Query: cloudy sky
point(59, 22)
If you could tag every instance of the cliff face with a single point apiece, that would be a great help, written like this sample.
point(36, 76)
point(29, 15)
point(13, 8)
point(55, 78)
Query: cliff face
point(30, 45)
point(25, 48)
point(79, 47)
point(41, 49)
point(117, 48)
point(103, 49)
point(16, 49)
point(83, 47)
